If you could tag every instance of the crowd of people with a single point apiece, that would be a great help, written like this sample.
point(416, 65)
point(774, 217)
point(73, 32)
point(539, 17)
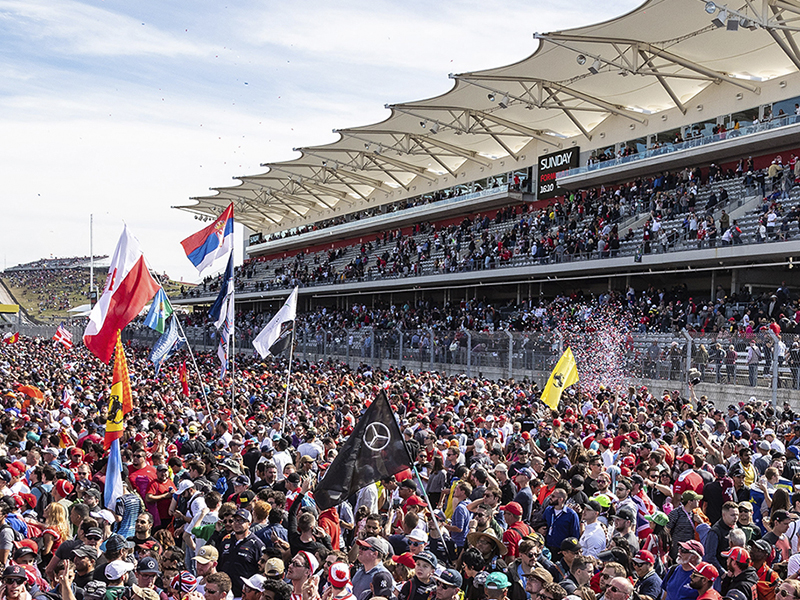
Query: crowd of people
point(583, 224)
point(621, 493)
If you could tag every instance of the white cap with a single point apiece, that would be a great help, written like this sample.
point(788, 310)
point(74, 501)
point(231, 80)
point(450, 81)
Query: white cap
point(184, 485)
point(256, 582)
point(117, 569)
point(418, 535)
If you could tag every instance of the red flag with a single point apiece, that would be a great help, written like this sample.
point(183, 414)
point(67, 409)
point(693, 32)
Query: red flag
point(63, 336)
point(11, 338)
point(182, 375)
point(129, 286)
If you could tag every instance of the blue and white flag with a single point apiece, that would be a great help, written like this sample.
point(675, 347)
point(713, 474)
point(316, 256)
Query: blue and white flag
point(222, 312)
point(160, 311)
point(166, 345)
point(113, 476)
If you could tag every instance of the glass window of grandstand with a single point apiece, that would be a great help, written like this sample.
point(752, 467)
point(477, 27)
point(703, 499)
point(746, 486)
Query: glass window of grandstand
point(602, 154)
point(699, 130)
point(520, 180)
point(787, 109)
point(667, 138)
point(636, 146)
point(741, 119)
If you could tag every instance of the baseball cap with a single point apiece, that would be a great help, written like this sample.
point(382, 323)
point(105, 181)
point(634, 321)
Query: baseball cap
point(449, 577)
point(658, 517)
point(406, 559)
point(274, 568)
point(255, 582)
point(244, 514)
point(117, 569)
point(116, 543)
point(185, 484)
point(162, 467)
point(382, 583)
point(525, 472)
point(428, 557)
point(693, 546)
point(418, 535)
point(738, 554)
point(242, 480)
point(313, 563)
point(376, 543)
point(94, 590)
point(644, 556)
point(690, 495)
point(15, 571)
point(706, 570)
point(501, 467)
point(206, 554)
point(64, 487)
point(570, 544)
point(626, 513)
point(512, 507)
point(735, 595)
point(688, 459)
point(87, 551)
point(593, 505)
point(496, 581)
point(339, 574)
point(148, 564)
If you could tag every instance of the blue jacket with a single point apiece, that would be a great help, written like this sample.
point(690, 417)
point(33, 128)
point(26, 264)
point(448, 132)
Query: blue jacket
point(560, 527)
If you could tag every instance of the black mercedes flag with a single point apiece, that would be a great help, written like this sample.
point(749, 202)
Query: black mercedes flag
point(373, 451)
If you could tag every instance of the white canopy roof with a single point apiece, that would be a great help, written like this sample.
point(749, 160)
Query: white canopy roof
point(656, 58)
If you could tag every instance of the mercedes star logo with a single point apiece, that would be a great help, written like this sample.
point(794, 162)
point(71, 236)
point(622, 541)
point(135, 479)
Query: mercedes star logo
point(377, 436)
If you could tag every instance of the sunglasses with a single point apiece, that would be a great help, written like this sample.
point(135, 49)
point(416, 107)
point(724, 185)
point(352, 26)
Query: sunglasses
point(13, 581)
point(416, 543)
point(531, 555)
point(604, 576)
point(444, 586)
point(786, 594)
point(615, 589)
point(93, 538)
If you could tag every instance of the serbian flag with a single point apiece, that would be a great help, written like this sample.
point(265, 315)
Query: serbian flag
point(184, 378)
point(211, 242)
point(120, 403)
point(129, 286)
point(11, 338)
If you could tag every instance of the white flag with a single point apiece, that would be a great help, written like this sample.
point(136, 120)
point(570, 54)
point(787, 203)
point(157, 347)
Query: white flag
point(277, 334)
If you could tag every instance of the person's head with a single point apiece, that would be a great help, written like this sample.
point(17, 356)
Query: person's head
point(219, 584)
point(730, 513)
point(745, 513)
point(623, 488)
point(528, 552)
point(582, 570)
point(448, 584)
point(463, 490)
point(146, 572)
point(206, 559)
point(143, 525)
point(512, 512)
point(781, 520)
point(242, 520)
point(690, 500)
point(559, 498)
point(737, 537)
point(760, 551)
point(703, 577)
point(553, 591)
point(642, 562)
point(619, 588)
point(738, 560)
point(15, 581)
point(372, 525)
point(591, 511)
point(570, 549)
point(496, 586)
point(624, 520)
point(372, 551)
point(301, 567)
point(610, 571)
point(253, 587)
point(425, 564)
point(538, 579)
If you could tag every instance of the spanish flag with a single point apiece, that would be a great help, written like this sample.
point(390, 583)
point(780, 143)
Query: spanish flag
point(120, 403)
point(564, 375)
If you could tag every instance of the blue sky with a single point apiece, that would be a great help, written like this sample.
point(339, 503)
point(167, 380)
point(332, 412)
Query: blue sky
point(124, 109)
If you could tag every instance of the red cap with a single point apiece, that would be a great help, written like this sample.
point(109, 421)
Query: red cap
point(738, 554)
point(644, 556)
point(693, 546)
point(688, 459)
point(556, 423)
point(415, 501)
point(64, 487)
point(526, 435)
point(669, 425)
point(406, 559)
point(605, 442)
point(512, 507)
point(709, 571)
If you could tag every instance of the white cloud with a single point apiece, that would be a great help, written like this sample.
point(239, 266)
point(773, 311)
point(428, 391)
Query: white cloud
point(76, 28)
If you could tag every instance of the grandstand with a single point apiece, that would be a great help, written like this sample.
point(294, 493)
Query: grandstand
point(655, 151)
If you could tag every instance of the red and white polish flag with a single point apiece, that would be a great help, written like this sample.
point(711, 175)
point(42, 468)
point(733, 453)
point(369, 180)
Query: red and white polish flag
point(129, 286)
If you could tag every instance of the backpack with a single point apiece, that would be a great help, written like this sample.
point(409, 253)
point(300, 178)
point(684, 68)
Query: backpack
point(45, 499)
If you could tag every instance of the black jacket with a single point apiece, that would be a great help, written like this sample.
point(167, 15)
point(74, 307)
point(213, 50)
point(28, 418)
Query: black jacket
point(744, 582)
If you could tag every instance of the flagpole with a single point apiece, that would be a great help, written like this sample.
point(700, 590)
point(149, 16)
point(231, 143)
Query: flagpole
point(194, 362)
point(428, 502)
point(288, 379)
point(233, 344)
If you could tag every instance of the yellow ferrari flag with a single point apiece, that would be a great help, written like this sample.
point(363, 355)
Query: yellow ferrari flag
point(120, 402)
point(564, 375)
